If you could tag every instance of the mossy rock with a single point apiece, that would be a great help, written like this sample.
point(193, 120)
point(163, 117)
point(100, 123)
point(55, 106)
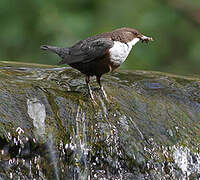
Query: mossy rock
point(50, 129)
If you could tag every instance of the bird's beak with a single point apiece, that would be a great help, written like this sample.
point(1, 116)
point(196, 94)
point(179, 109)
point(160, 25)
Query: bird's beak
point(145, 38)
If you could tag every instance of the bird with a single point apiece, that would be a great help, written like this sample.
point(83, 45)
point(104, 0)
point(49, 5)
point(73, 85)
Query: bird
point(99, 54)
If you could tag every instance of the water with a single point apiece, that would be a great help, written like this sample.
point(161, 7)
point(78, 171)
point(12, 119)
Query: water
point(147, 126)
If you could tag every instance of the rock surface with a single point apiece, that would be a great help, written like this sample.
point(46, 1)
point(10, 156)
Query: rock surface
point(149, 128)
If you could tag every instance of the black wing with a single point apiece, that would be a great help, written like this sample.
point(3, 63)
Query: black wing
point(86, 51)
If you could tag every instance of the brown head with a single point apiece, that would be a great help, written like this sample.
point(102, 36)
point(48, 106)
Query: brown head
point(128, 34)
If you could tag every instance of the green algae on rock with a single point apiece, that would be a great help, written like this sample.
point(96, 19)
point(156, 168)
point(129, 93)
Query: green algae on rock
point(50, 129)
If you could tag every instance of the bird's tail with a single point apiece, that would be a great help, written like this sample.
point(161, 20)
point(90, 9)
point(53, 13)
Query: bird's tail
point(53, 49)
point(62, 52)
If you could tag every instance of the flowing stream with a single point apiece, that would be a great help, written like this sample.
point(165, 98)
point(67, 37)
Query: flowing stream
point(146, 127)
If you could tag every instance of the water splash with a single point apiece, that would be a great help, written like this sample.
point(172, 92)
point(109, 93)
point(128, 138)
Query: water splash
point(123, 122)
point(104, 108)
point(187, 161)
point(79, 145)
point(137, 128)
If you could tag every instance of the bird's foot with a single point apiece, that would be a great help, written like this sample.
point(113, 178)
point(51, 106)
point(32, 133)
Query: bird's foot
point(104, 93)
point(92, 97)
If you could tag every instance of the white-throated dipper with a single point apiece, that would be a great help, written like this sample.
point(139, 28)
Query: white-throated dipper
point(99, 54)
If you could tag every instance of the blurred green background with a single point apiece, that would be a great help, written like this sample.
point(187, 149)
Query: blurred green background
point(174, 24)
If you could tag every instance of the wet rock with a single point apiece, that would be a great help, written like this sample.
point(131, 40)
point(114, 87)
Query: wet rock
point(50, 129)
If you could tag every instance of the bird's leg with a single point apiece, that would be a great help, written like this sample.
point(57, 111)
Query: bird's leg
point(101, 87)
point(87, 80)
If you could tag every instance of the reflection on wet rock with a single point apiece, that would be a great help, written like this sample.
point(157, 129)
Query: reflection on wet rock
point(37, 112)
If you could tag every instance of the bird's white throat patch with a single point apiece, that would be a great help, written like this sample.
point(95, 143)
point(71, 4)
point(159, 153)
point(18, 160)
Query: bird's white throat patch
point(120, 51)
